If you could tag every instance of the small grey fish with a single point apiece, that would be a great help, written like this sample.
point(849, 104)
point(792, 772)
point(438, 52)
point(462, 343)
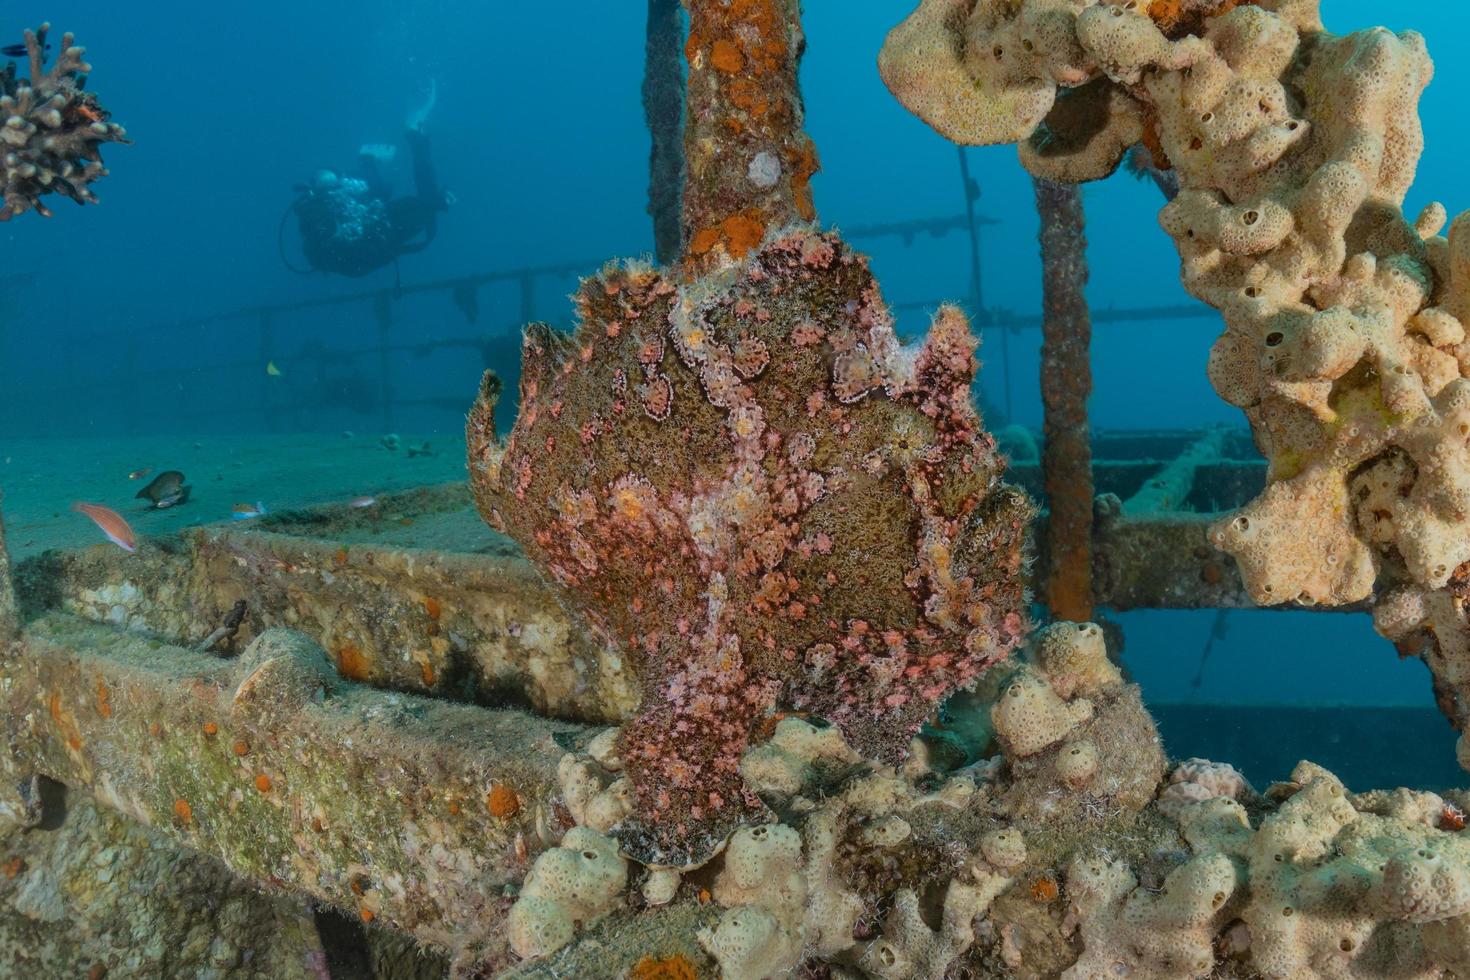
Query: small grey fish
point(166, 490)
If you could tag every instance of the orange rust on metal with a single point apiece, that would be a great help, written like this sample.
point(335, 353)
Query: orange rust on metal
point(748, 164)
point(1066, 382)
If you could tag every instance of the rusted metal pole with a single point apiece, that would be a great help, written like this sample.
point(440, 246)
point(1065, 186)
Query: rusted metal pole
point(1066, 382)
point(748, 165)
point(9, 620)
point(663, 109)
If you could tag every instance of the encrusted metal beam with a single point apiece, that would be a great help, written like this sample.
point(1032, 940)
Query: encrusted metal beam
point(409, 811)
point(747, 161)
point(1169, 488)
point(8, 619)
point(465, 626)
point(1160, 561)
point(1066, 383)
point(663, 110)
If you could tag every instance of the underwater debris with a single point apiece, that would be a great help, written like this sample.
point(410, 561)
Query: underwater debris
point(750, 488)
point(228, 627)
point(1345, 321)
point(270, 763)
point(53, 129)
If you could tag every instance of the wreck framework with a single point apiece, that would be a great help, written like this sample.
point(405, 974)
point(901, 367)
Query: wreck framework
point(313, 764)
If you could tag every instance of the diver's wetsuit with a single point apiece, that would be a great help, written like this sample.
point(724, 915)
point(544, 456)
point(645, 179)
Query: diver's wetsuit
point(356, 227)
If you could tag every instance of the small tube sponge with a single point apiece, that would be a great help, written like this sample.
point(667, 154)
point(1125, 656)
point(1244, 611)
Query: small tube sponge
point(750, 943)
point(591, 798)
point(1077, 763)
point(763, 886)
point(1004, 849)
point(574, 884)
point(1030, 716)
point(763, 867)
point(1075, 659)
point(1132, 931)
point(792, 758)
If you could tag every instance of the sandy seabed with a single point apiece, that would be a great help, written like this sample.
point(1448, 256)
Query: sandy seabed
point(41, 478)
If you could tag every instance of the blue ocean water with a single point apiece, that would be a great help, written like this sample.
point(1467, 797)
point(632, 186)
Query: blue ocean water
point(538, 131)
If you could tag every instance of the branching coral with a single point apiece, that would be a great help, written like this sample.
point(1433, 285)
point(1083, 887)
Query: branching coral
point(1345, 339)
point(750, 487)
point(53, 129)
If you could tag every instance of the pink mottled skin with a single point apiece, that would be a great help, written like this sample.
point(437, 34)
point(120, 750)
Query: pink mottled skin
point(755, 492)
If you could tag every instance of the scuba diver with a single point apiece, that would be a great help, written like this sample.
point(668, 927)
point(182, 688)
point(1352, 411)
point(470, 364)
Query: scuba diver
point(353, 225)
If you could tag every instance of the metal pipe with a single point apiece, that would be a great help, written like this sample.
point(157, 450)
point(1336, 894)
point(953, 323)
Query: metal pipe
point(9, 620)
point(1168, 489)
point(748, 164)
point(663, 110)
point(1066, 383)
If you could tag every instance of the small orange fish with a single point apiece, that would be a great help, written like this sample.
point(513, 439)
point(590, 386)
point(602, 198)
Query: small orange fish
point(111, 523)
point(139, 474)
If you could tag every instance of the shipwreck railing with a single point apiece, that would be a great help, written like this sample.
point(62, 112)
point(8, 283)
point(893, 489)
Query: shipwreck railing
point(154, 358)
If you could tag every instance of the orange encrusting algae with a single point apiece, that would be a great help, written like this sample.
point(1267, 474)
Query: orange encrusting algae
point(1187, 16)
point(502, 801)
point(676, 967)
point(725, 56)
point(739, 233)
point(351, 663)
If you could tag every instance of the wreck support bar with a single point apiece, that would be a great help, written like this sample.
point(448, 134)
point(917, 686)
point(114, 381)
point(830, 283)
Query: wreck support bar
point(407, 810)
